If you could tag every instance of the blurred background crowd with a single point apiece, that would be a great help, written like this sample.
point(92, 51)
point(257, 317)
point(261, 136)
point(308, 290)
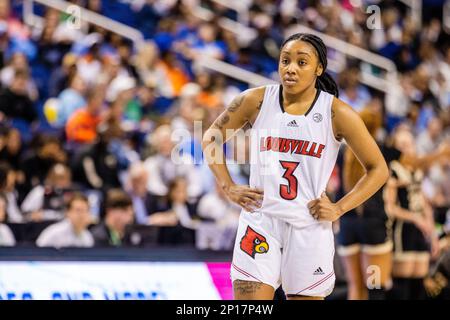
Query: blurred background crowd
point(87, 115)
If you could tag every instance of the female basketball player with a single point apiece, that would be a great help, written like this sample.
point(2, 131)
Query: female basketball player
point(413, 229)
point(285, 234)
point(364, 237)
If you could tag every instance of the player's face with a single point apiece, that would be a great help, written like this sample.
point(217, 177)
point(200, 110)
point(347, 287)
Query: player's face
point(299, 66)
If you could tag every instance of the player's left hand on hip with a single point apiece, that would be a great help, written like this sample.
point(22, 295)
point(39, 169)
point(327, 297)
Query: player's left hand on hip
point(322, 209)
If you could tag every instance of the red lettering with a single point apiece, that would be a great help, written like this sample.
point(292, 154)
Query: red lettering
point(262, 146)
point(305, 146)
point(319, 151)
point(275, 144)
point(311, 150)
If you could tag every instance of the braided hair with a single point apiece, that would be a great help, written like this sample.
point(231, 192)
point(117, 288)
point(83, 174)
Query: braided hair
point(324, 82)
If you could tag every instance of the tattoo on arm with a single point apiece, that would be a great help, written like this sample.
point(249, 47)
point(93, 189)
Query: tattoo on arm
point(332, 113)
point(222, 120)
point(245, 288)
point(236, 103)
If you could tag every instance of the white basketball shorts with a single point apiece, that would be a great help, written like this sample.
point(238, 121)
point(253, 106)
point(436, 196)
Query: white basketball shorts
point(271, 251)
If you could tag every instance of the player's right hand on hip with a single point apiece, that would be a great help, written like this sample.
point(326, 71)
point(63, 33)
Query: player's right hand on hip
point(250, 199)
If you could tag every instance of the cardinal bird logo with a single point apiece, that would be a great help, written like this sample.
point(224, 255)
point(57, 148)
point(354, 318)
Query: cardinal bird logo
point(252, 243)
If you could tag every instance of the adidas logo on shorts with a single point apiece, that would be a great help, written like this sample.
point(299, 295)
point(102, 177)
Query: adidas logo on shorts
point(318, 272)
point(293, 123)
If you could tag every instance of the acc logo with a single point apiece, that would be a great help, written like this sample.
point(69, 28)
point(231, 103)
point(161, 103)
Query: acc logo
point(253, 243)
point(317, 117)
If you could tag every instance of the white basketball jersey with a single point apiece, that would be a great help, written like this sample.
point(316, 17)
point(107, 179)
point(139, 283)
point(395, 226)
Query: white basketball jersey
point(292, 156)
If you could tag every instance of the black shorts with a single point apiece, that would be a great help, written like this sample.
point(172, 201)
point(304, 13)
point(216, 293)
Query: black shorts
point(366, 232)
point(408, 241)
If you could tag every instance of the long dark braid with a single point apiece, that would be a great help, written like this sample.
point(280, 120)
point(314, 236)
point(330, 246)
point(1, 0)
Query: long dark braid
point(324, 82)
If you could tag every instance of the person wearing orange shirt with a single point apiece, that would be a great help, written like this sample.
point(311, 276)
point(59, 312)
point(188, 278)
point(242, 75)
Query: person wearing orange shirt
point(82, 125)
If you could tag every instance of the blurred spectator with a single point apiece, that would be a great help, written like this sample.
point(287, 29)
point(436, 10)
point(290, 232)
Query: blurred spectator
point(175, 212)
point(71, 99)
point(46, 201)
point(162, 168)
point(206, 43)
point(219, 234)
point(72, 231)
point(89, 64)
point(6, 236)
point(15, 28)
point(8, 190)
point(429, 140)
point(18, 61)
point(10, 146)
point(113, 230)
point(96, 166)
point(81, 127)
point(46, 151)
point(14, 100)
point(59, 78)
point(143, 202)
point(353, 93)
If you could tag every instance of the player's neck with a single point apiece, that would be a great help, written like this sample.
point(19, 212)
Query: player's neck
point(306, 95)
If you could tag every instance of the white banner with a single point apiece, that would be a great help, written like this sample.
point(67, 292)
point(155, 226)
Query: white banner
point(106, 281)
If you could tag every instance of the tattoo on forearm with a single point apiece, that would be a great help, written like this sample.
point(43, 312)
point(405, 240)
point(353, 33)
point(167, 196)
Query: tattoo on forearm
point(332, 113)
point(246, 287)
point(222, 120)
point(236, 103)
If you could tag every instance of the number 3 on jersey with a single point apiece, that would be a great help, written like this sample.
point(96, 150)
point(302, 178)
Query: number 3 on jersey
point(289, 191)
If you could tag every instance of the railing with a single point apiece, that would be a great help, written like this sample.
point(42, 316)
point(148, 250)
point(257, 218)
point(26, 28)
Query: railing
point(81, 14)
point(241, 7)
point(379, 83)
point(231, 71)
point(243, 33)
point(135, 35)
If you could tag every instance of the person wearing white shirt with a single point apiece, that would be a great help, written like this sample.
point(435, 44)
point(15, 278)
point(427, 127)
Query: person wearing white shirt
point(6, 236)
point(72, 231)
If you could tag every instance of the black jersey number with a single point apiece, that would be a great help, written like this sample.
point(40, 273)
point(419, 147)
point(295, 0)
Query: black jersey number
point(289, 191)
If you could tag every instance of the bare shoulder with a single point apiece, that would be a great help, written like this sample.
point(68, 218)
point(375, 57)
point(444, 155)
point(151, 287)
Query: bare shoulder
point(344, 118)
point(253, 97)
point(341, 110)
point(250, 102)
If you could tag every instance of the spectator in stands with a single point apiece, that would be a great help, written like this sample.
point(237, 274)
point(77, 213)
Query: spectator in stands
point(18, 61)
point(16, 29)
point(59, 78)
point(72, 231)
point(176, 212)
point(10, 146)
point(6, 236)
point(14, 100)
point(429, 140)
point(356, 95)
point(46, 201)
point(71, 99)
point(113, 230)
point(163, 169)
point(8, 189)
point(96, 166)
point(46, 151)
point(81, 128)
point(218, 234)
point(143, 201)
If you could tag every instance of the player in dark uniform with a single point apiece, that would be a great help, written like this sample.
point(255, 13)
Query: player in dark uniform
point(413, 227)
point(363, 237)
